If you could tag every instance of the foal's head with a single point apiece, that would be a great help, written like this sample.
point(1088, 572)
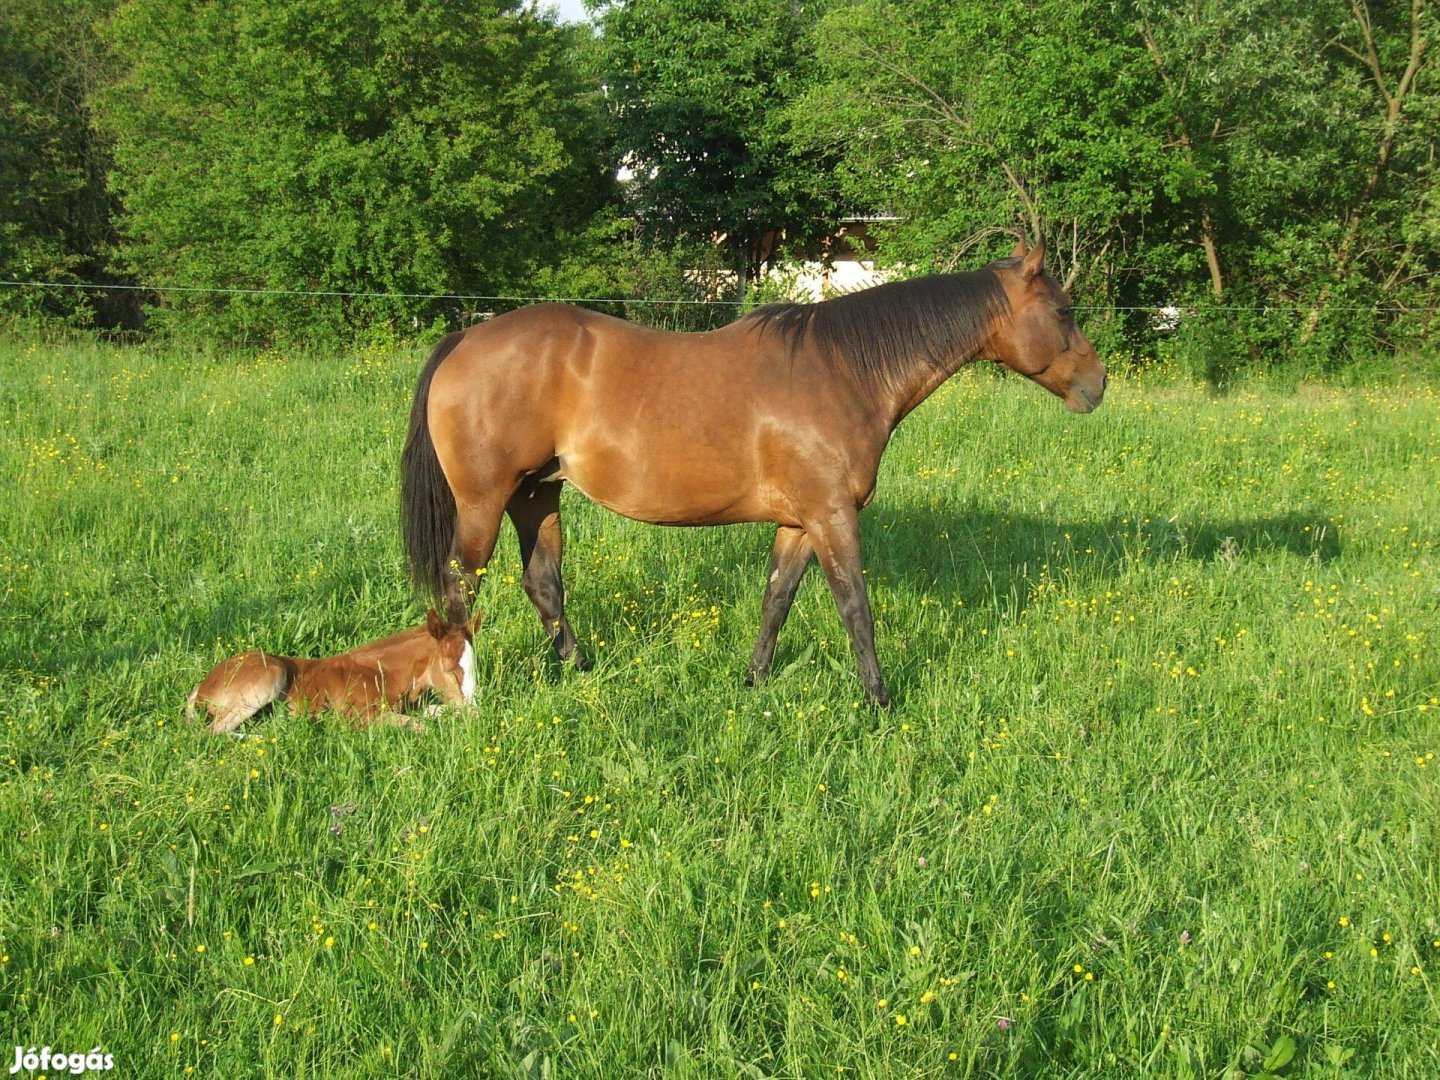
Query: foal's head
point(1040, 339)
point(451, 672)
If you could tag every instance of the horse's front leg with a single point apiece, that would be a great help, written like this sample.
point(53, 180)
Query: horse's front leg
point(788, 561)
point(836, 538)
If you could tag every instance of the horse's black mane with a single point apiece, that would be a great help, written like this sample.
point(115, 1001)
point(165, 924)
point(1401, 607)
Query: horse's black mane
point(879, 333)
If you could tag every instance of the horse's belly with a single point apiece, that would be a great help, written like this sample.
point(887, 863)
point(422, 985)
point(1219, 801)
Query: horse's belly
point(665, 489)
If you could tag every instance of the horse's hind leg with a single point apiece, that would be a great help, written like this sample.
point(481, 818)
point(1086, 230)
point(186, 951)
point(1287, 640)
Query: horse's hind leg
point(477, 527)
point(792, 554)
point(535, 513)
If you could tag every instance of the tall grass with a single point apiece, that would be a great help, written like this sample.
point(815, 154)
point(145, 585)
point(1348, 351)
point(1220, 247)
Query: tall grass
point(1157, 795)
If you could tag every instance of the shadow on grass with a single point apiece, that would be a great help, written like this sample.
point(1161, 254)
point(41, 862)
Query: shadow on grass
point(986, 557)
point(985, 551)
point(980, 554)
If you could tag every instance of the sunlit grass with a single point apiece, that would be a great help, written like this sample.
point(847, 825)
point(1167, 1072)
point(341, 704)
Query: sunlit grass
point(1157, 793)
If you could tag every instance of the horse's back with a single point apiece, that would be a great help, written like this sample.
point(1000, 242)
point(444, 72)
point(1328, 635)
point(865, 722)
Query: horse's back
point(544, 343)
point(346, 683)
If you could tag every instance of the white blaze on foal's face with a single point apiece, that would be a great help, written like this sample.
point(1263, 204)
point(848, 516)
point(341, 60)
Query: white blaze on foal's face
point(467, 665)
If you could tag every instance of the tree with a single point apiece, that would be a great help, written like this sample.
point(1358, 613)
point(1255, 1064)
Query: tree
point(367, 146)
point(54, 209)
point(1247, 153)
point(1305, 122)
point(1389, 48)
point(1243, 87)
point(696, 91)
point(969, 121)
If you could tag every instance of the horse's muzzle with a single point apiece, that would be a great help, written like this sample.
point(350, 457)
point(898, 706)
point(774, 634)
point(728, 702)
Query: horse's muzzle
point(1085, 395)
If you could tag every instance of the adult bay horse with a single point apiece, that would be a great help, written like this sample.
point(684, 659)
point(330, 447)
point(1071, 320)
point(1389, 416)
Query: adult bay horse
point(781, 416)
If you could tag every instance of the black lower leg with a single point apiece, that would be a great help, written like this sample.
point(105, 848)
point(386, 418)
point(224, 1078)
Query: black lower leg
point(535, 513)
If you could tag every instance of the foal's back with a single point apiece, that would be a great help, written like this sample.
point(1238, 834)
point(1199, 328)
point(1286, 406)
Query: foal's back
point(351, 684)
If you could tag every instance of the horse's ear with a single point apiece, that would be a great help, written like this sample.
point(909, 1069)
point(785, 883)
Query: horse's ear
point(434, 624)
point(1034, 261)
point(1021, 248)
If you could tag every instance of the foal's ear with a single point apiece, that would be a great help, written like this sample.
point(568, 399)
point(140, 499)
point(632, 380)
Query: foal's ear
point(1021, 248)
point(434, 625)
point(1034, 262)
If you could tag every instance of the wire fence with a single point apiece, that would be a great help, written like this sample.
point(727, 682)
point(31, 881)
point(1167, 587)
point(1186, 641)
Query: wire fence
point(1163, 310)
point(341, 294)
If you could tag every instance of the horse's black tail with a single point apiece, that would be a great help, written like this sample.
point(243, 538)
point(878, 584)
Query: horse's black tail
point(427, 505)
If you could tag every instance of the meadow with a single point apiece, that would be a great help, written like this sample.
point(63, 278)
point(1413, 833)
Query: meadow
point(1157, 795)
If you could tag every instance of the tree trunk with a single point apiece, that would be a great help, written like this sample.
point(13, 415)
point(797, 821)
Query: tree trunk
point(1209, 237)
point(1212, 253)
point(1394, 102)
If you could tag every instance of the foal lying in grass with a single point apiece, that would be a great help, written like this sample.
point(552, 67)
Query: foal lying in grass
point(366, 685)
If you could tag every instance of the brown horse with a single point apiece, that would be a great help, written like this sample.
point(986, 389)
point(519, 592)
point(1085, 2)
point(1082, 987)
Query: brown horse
point(781, 416)
point(364, 685)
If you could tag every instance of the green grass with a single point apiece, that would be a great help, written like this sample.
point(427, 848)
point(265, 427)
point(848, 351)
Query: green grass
point(1157, 795)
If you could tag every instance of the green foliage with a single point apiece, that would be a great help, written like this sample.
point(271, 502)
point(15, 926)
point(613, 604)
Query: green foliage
point(678, 285)
point(697, 91)
point(959, 118)
point(1270, 165)
point(1166, 692)
point(1214, 154)
point(54, 210)
point(436, 147)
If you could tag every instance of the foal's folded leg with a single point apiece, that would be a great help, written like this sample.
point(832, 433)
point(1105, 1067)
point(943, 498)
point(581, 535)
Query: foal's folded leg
point(401, 720)
point(238, 688)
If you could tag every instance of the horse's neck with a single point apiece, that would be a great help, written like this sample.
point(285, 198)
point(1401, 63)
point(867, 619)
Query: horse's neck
point(923, 379)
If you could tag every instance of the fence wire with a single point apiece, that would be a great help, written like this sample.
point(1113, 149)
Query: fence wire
point(340, 294)
point(1164, 310)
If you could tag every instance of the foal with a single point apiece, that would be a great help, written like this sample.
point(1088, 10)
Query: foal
point(364, 685)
